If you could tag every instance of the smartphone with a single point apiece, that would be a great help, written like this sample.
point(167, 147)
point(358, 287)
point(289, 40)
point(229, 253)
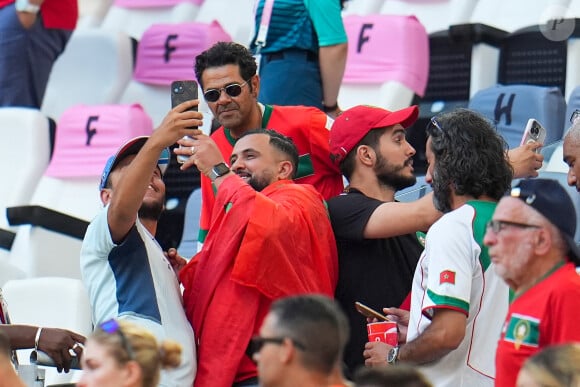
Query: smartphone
point(369, 312)
point(182, 91)
point(534, 132)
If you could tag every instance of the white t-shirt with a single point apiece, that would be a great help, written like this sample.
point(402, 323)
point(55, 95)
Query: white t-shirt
point(133, 281)
point(453, 273)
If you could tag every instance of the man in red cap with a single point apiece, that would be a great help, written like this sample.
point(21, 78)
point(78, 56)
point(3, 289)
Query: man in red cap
point(377, 244)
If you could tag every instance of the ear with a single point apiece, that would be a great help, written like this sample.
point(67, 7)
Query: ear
point(134, 373)
point(287, 352)
point(106, 194)
point(255, 81)
point(543, 241)
point(285, 170)
point(366, 155)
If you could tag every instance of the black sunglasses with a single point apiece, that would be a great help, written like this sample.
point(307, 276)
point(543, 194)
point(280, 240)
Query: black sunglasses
point(233, 90)
point(257, 342)
point(112, 327)
point(497, 225)
point(575, 116)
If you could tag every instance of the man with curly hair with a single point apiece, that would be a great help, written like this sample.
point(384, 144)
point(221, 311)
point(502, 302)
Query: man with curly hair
point(458, 302)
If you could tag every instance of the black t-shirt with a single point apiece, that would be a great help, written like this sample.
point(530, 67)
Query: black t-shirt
point(376, 272)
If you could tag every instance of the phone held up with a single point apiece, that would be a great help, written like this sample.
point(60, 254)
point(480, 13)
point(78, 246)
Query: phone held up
point(534, 132)
point(182, 91)
point(370, 312)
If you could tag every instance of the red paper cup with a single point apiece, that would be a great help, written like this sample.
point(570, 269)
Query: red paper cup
point(385, 331)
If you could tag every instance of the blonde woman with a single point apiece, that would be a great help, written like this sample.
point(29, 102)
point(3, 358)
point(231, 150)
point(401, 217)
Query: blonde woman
point(119, 353)
point(557, 366)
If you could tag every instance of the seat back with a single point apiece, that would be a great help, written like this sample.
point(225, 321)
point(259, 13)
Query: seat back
point(515, 14)
point(49, 302)
point(362, 7)
point(236, 17)
point(86, 136)
point(510, 107)
point(434, 15)
point(188, 246)
point(135, 17)
point(384, 50)
point(573, 104)
point(94, 69)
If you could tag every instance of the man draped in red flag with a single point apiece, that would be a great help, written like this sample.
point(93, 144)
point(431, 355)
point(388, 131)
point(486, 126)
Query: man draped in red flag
point(269, 238)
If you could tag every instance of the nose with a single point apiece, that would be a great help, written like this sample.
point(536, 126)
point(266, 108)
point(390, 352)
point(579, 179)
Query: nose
point(572, 180)
point(224, 97)
point(428, 176)
point(489, 238)
point(411, 151)
point(236, 165)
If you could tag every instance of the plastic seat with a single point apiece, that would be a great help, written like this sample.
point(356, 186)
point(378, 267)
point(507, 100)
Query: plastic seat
point(51, 228)
point(166, 53)
point(49, 302)
point(236, 17)
point(434, 15)
point(188, 246)
point(573, 104)
point(92, 13)
point(387, 61)
point(415, 192)
point(28, 129)
point(94, 69)
point(510, 107)
point(515, 14)
point(134, 17)
point(362, 7)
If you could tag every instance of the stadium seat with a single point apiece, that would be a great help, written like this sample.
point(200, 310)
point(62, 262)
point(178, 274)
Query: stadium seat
point(415, 192)
point(573, 104)
point(387, 61)
point(555, 161)
point(188, 246)
point(434, 15)
point(134, 17)
point(92, 13)
point(51, 228)
point(236, 17)
point(25, 149)
point(94, 69)
point(510, 107)
point(49, 302)
point(516, 14)
point(362, 7)
point(166, 53)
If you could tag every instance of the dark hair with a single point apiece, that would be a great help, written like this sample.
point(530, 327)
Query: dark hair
point(400, 376)
point(225, 53)
point(282, 143)
point(469, 156)
point(371, 139)
point(315, 321)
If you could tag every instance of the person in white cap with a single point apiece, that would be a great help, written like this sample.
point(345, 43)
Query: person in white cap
point(127, 275)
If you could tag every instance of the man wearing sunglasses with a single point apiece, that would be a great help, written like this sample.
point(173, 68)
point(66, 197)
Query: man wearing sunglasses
point(458, 302)
point(572, 150)
point(127, 275)
point(269, 238)
point(299, 342)
point(227, 74)
point(531, 244)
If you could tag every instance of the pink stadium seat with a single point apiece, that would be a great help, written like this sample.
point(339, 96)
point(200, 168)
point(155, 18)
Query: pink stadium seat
point(153, 3)
point(167, 52)
point(51, 228)
point(384, 50)
point(88, 135)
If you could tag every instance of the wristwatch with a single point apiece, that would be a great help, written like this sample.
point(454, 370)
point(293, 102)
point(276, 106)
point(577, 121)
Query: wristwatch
point(393, 355)
point(218, 170)
point(26, 6)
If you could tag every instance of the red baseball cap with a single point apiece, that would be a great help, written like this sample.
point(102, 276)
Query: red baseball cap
point(353, 124)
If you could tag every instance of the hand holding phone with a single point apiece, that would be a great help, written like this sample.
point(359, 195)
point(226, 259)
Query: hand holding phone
point(534, 132)
point(182, 91)
point(370, 312)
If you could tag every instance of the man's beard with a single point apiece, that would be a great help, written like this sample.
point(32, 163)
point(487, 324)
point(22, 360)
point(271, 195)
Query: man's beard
point(391, 176)
point(441, 194)
point(151, 211)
